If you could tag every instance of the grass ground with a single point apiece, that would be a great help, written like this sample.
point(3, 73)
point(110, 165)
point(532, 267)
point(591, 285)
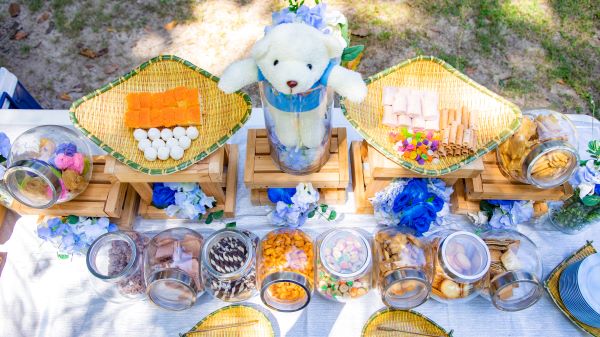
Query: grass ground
point(537, 53)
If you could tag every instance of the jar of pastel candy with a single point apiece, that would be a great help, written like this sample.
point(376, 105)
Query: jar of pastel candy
point(343, 264)
point(403, 268)
point(286, 269)
point(229, 264)
point(461, 262)
point(47, 165)
point(172, 268)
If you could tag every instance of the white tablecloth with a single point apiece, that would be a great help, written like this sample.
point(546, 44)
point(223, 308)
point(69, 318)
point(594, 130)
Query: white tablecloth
point(43, 296)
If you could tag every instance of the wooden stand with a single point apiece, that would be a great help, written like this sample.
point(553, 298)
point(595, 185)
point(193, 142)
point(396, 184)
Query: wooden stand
point(372, 172)
point(104, 197)
point(217, 176)
point(261, 173)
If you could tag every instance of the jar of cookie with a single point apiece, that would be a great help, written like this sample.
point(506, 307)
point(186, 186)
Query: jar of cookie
point(286, 269)
point(461, 260)
point(343, 264)
point(229, 264)
point(403, 268)
point(542, 152)
point(514, 281)
point(172, 268)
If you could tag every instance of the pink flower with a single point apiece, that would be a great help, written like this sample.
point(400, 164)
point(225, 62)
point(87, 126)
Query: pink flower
point(63, 193)
point(63, 162)
point(78, 163)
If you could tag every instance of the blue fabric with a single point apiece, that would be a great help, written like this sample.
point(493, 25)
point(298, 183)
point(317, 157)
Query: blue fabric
point(298, 102)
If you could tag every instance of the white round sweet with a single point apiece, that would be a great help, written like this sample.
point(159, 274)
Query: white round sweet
point(166, 134)
point(185, 142)
point(150, 153)
point(178, 132)
point(192, 132)
point(176, 152)
point(140, 134)
point(144, 144)
point(158, 143)
point(172, 142)
point(154, 134)
point(163, 153)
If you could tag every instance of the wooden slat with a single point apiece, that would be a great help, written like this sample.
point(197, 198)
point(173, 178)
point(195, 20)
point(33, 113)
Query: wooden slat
point(358, 184)
point(216, 162)
point(79, 208)
point(144, 190)
point(250, 154)
point(343, 156)
point(198, 172)
point(458, 201)
point(114, 201)
point(95, 192)
point(129, 209)
point(262, 146)
point(231, 189)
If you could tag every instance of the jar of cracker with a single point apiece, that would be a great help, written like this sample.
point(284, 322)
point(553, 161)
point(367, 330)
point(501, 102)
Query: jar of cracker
point(514, 281)
point(229, 264)
point(343, 264)
point(542, 152)
point(403, 268)
point(461, 260)
point(286, 269)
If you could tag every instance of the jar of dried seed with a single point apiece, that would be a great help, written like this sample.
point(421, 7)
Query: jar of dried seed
point(285, 269)
point(343, 264)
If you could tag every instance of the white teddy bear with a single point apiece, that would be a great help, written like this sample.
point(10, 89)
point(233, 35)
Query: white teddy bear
point(293, 58)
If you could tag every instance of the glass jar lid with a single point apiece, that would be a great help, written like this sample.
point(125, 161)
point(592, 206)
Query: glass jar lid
point(345, 253)
point(406, 288)
point(172, 289)
point(33, 183)
point(550, 163)
point(285, 291)
point(227, 254)
point(464, 256)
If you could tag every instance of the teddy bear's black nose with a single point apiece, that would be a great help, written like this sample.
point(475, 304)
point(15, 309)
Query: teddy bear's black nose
point(291, 84)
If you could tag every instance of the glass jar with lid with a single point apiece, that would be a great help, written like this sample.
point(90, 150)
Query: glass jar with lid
point(286, 269)
point(343, 264)
point(461, 261)
point(172, 268)
point(542, 152)
point(115, 262)
point(229, 264)
point(402, 267)
point(514, 281)
point(47, 165)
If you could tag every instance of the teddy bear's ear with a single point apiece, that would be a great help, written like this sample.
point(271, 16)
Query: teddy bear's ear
point(260, 48)
point(334, 47)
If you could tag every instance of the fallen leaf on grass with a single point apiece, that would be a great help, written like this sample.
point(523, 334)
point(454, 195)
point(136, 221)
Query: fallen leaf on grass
point(170, 25)
point(65, 97)
point(14, 9)
point(102, 52)
point(361, 32)
point(87, 52)
point(20, 35)
point(43, 17)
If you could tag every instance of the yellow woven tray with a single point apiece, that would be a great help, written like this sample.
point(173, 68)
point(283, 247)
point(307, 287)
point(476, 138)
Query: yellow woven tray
point(234, 314)
point(551, 285)
point(497, 120)
point(405, 320)
point(100, 114)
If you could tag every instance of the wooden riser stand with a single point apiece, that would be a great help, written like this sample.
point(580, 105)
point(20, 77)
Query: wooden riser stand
point(372, 172)
point(216, 175)
point(261, 172)
point(104, 197)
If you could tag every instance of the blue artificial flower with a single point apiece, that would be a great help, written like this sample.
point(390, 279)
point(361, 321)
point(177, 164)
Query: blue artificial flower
point(4, 145)
point(112, 227)
point(68, 149)
point(501, 203)
point(416, 188)
point(281, 194)
point(314, 17)
point(418, 217)
point(44, 232)
point(436, 202)
point(500, 219)
point(283, 16)
point(597, 189)
point(162, 196)
point(401, 201)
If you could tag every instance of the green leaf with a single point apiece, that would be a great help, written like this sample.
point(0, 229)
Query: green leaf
point(72, 219)
point(311, 214)
point(200, 216)
point(487, 208)
point(230, 225)
point(209, 219)
point(324, 208)
point(351, 53)
point(218, 214)
point(591, 200)
point(332, 215)
point(2, 159)
point(62, 256)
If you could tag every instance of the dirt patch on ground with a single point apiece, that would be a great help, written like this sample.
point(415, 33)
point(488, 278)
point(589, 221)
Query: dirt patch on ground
point(543, 53)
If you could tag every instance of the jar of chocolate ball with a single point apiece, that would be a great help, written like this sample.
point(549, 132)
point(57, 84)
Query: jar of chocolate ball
point(514, 281)
point(286, 269)
point(343, 264)
point(461, 261)
point(402, 268)
point(172, 268)
point(114, 261)
point(229, 264)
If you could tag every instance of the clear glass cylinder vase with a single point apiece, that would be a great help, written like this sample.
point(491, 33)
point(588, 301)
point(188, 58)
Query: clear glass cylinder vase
point(573, 216)
point(298, 127)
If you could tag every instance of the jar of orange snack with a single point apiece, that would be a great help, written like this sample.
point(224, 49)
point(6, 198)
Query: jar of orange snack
point(285, 269)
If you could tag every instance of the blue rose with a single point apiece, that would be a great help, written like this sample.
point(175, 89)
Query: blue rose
point(436, 202)
point(597, 189)
point(418, 217)
point(281, 194)
point(402, 200)
point(416, 188)
point(162, 196)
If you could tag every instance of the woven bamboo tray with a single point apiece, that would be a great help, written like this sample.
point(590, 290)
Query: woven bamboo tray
point(100, 114)
point(498, 118)
point(406, 320)
point(235, 314)
point(551, 285)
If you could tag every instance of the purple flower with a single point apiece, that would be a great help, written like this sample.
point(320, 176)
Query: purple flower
point(418, 217)
point(313, 16)
point(44, 232)
point(162, 196)
point(4, 145)
point(68, 149)
point(281, 194)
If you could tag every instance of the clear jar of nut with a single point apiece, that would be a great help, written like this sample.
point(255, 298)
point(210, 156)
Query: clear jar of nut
point(286, 269)
point(461, 261)
point(229, 264)
point(514, 281)
point(343, 264)
point(402, 268)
